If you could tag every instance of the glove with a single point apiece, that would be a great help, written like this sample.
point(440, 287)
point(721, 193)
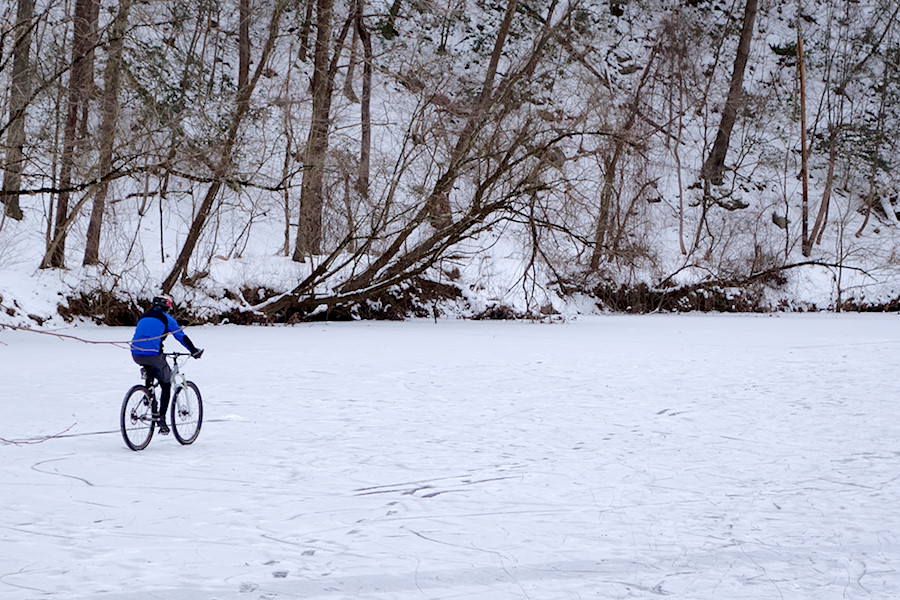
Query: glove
point(197, 353)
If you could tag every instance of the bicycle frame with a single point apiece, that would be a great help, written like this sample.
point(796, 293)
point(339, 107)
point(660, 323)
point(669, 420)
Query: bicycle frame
point(178, 378)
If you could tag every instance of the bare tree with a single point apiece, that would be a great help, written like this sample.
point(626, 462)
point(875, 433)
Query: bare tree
point(365, 110)
point(611, 166)
point(305, 28)
point(309, 229)
point(878, 141)
point(715, 162)
point(552, 133)
point(354, 56)
point(804, 146)
point(224, 161)
point(80, 83)
point(286, 171)
point(436, 208)
point(110, 116)
point(312, 195)
point(839, 111)
point(438, 203)
point(244, 44)
point(498, 152)
point(19, 93)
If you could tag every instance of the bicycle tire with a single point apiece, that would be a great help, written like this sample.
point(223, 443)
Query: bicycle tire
point(136, 419)
point(187, 413)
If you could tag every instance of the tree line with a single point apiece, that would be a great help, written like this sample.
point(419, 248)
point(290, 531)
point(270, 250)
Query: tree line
point(382, 142)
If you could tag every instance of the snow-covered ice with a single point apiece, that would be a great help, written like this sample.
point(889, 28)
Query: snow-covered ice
point(691, 456)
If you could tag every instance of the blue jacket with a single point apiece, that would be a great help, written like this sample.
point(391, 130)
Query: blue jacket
point(152, 329)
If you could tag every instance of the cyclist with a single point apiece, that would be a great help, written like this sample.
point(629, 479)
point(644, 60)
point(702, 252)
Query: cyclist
point(146, 349)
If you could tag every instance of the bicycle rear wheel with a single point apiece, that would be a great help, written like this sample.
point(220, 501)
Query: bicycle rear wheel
point(187, 413)
point(136, 420)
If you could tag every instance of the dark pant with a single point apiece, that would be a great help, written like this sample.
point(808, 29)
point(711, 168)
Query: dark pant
point(159, 368)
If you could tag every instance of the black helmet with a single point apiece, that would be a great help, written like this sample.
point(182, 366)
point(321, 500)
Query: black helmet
point(162, 302)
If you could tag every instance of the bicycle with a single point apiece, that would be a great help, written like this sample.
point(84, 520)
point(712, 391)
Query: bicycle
point(140, 408)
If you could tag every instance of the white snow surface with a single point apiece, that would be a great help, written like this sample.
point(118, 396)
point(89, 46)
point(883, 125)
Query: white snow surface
point(683, 456)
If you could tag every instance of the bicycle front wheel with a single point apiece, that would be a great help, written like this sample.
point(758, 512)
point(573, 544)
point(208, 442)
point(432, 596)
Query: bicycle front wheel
point(136, 420)
point(187, 413)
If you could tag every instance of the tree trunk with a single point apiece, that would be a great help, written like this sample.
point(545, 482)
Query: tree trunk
point(715, 163)
point(606, 194)
point(19, 92)
point(365, 150)
point(110, 113)
point(805, 246)
point(90, 86)
point(244, 44)
point(288, 121)
point(309, 229)
point(676, 153)
point(305, 29)
point(80, 78)
point(815, 236)
point(354, 55)
point(223, 165)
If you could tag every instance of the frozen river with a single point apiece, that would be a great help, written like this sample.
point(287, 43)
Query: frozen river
point(693, 457)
